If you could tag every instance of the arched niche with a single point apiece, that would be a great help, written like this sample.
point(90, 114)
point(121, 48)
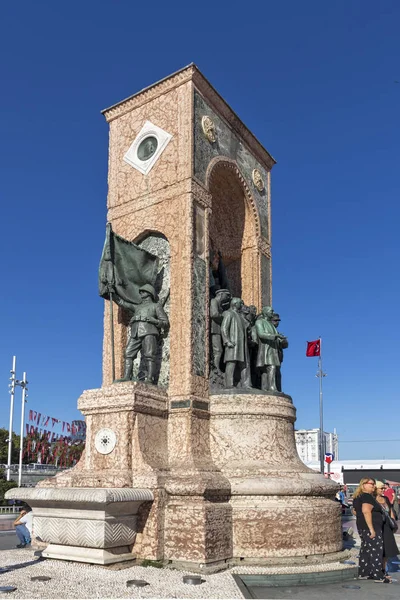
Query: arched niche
point(234, 229)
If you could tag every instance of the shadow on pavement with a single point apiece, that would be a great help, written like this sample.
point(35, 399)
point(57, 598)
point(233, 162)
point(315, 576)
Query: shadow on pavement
point(16, 566)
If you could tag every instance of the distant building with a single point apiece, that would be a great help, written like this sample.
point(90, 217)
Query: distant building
point(349, 472)
point(308, 444)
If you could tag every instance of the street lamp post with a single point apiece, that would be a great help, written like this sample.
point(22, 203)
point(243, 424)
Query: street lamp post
point(10, 430)
point(23, 383)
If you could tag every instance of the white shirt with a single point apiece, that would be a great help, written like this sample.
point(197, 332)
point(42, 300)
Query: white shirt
point(27, 520)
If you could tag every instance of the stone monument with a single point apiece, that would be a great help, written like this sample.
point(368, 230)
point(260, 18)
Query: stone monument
point(176, 470)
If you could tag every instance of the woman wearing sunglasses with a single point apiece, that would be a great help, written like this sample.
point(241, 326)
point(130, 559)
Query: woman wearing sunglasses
point(370, 527)
point(390, 548)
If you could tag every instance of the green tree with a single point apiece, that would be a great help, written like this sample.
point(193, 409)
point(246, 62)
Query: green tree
point(6, 485)
point(4, 447)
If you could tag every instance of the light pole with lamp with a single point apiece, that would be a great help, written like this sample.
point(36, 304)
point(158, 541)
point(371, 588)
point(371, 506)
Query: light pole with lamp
point(23, 383)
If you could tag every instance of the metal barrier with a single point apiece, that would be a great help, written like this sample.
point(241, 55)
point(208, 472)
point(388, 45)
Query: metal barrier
point(4, 510)
point(33, 467)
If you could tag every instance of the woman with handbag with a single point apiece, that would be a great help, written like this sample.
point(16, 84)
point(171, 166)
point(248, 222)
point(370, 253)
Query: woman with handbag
point(370, 527)
point(390, 548)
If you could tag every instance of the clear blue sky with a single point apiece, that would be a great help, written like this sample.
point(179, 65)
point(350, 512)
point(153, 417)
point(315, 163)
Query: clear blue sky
point(318, 84)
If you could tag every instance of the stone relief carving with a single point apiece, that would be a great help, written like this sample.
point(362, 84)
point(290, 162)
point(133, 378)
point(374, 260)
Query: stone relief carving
point(258, 180)
point(209, 129)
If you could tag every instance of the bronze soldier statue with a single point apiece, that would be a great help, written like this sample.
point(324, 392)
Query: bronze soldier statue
point(268, 349)
point(234, 336)
point(282, 344)
point(148, 319)
point(218, 305)
point(252, 376)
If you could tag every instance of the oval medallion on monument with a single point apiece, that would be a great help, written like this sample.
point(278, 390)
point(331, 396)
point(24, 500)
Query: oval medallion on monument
point(105, 440)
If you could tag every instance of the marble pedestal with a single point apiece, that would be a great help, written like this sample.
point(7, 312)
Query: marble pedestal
point(279, 507)
point(86, 525)
point(199, 483)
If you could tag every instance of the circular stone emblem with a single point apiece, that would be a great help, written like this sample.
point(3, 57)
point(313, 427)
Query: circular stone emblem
point(105, 441)
point(209, 129)
point(258, 180)
point(147, 148)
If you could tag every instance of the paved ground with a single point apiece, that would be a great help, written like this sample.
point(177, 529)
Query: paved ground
point(72, 580)
point(366, 591)
point(7, 541)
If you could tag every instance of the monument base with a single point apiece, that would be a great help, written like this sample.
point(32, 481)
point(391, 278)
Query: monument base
point(94, 556)
point(201, 485)
point(279, 507)
point(83, 524)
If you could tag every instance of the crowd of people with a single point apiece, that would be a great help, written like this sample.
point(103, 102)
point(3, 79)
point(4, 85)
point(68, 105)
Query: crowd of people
point(376, 509)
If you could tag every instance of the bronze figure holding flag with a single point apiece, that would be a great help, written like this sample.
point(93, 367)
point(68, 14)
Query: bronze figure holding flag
point(149, 318)
point(127, 276)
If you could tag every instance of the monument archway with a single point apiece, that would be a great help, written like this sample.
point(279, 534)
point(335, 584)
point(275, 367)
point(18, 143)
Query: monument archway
point(235, 229)
point(172, 472)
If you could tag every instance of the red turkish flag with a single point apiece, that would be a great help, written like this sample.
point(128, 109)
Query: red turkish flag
point(313, 348)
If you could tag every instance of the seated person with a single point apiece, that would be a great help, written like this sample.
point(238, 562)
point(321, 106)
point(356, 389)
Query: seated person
point(23, 527)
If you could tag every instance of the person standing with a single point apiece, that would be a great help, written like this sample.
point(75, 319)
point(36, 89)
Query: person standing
point(390, 494)
point(23, 527)
point(390, 549)
point(370, 527)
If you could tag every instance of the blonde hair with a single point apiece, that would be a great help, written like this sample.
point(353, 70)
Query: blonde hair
point(379, 484)
point(360, 490)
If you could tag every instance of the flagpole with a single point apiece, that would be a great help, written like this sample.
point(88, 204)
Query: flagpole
point(10, 432)
point(112, 337)
point(23, 384)
point(320, 375)
point(109, 256)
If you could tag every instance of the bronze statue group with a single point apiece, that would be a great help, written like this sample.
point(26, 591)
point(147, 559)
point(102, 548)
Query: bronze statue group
point(247, 346)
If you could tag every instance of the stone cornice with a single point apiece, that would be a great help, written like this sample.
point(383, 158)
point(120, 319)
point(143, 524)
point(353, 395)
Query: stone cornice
point(83, 495)
point(172, 192)
point(124, 396)
point(149, 93)
point(201, 194)
point(204, 87)
point(164, 194)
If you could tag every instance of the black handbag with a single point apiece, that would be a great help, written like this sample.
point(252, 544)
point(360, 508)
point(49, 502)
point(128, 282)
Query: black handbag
point(388, 519)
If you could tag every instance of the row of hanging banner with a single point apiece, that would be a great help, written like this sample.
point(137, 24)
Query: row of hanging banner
point(64, 452)
point(41, 421)
point(44, 446)
point(50, 436)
